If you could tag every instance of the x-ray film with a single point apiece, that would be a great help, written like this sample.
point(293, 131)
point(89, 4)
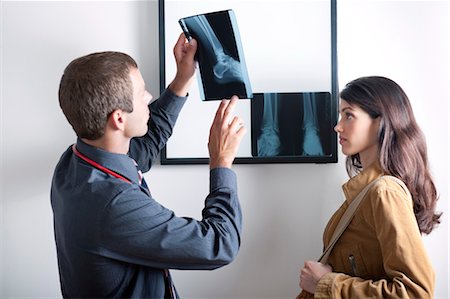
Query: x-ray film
point(292, 124)
point(222, 69)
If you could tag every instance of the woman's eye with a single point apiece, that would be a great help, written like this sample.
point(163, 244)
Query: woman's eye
point(349, 116)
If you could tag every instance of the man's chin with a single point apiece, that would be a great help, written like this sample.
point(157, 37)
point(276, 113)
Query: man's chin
point(141, 134)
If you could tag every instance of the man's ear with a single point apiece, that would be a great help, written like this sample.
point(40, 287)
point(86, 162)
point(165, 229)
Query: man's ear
point(116, 120)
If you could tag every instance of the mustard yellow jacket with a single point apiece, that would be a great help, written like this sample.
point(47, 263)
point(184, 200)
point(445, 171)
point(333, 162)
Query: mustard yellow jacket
point(381, 253)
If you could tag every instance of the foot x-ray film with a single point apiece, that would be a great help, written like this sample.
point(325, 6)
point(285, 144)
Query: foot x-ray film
point(291, 124)
point(222, 68)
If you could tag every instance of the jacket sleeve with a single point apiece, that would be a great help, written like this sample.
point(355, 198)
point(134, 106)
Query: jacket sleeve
point(406, 264)
point(137, 229)
point(163, 115)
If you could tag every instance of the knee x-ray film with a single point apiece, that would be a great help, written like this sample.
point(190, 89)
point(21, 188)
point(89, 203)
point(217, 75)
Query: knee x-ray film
point(222, 68)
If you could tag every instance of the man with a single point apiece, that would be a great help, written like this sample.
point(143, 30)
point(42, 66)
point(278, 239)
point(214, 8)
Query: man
point(112, 238)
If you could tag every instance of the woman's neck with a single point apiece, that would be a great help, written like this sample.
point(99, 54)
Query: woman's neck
point(368, 156)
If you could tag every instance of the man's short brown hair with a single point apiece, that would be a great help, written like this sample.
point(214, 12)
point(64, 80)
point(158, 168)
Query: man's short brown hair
point(92, 87)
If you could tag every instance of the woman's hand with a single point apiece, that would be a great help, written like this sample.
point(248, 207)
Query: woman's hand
point(311, 273)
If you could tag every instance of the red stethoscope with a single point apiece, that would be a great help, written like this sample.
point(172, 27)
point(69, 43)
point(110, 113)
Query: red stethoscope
point(98, 166)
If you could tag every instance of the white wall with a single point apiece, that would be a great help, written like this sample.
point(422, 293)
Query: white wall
point(285, 206)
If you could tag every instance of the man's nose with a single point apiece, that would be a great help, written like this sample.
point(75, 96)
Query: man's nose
point(148, 97)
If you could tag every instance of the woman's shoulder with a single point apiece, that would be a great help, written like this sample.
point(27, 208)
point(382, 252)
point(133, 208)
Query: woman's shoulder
point(390, 183)
point(387, 189)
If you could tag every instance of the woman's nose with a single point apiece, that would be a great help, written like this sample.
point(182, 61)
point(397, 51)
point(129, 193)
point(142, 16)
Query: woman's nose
point(337, 127)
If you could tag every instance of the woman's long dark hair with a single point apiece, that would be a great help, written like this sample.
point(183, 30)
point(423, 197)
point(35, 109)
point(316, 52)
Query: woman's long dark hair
point(402, 146)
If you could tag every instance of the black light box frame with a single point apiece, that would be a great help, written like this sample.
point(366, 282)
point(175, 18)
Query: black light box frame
point(290, 52)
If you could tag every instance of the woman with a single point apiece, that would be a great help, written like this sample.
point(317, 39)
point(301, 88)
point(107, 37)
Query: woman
point(381, 253)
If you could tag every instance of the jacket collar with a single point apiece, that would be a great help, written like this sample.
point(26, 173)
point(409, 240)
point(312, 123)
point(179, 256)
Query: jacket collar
point(358, 182)
point(119, 163)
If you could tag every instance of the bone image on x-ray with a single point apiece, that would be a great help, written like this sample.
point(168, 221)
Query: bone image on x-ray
point(269, 141)
point(311, 141)
point(226, 69)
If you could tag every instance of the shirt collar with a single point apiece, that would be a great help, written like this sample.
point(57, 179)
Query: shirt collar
point(358, 182)
point(120, 163)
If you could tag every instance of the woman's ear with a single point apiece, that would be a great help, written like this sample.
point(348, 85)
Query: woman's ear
point(117, 119)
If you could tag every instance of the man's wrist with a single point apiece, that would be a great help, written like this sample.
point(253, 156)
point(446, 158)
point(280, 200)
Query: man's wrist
point(220, 163)
point(180, 87)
